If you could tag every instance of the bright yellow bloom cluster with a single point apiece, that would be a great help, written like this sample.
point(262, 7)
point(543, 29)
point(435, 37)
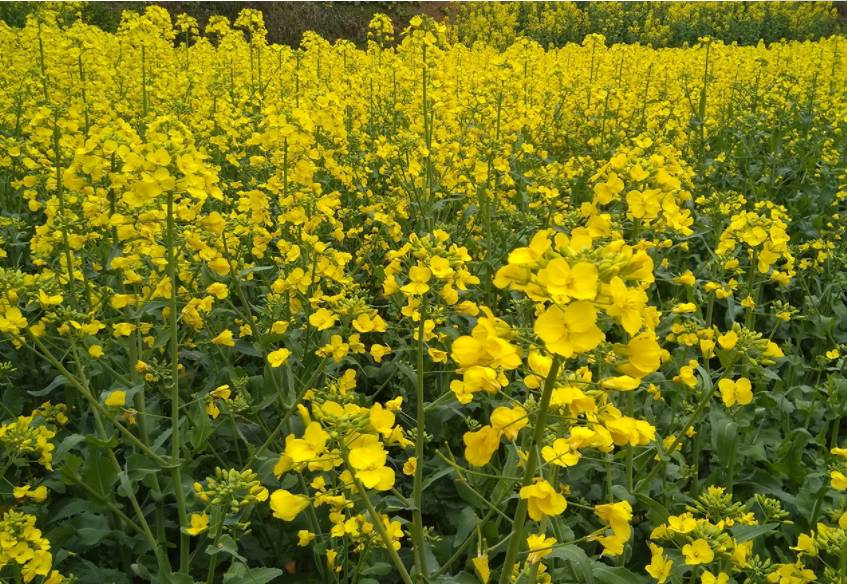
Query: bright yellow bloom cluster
point(21, 438)
point(22, 544)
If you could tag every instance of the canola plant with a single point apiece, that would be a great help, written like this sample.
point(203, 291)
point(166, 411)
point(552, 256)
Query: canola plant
point(420, 311)
point(658, 24)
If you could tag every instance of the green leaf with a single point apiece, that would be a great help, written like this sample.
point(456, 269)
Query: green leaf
point(608, 575)
point(91, 528)
point(94, 574)
point(621, 494)
point(65, 447)
point(176, 578)
point(168, 576)
point(460, 578)
point(139, 466)
point(162, 438)
point(407, 371)
point(57, 537)
point(706, 379)
point(14, 398)
point(240, 574)
point(467, 495)
point(226, 545)
point(465, 523)
point(435, 477)
point(162, 339)
point(727, 431)
point(247, 349)
point(378, 569)
point(576, 556)
point(510, 469)
point(94, 443)
point(790, 453)
point(658, 514)
point(393, 504)
point(70, 469)
point(202, 425)
point(74, 507)
point(469, 212)
point(151, 306)
point(744, 533)
point(99, 474)
point(246, 271)
point(59, 380)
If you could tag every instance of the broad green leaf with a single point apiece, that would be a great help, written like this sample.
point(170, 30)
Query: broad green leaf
point(240, 574)
point(202, 427)
point(576, 556)
point(65, 447)
point(139, 466)
point(377, 569)
point(726, 434)
point(658, 514)
point(91, 528)
point(59, 380)
point(226, 545)
point(99, 474)
point(609, 575)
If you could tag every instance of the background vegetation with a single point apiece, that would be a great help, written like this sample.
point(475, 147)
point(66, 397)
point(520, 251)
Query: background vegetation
point(662, 24)
point(659, 24)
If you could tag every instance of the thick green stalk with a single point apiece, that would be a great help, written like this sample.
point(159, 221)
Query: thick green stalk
point(213, 559)
point(176, 473)
point(420, 437)
point(529, 476)
point(376, 519)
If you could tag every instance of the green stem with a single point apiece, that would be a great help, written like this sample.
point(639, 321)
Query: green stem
point(420, 540)
point(213, 559)
point(529, 475)
point(376, 519)
point(176, 473)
